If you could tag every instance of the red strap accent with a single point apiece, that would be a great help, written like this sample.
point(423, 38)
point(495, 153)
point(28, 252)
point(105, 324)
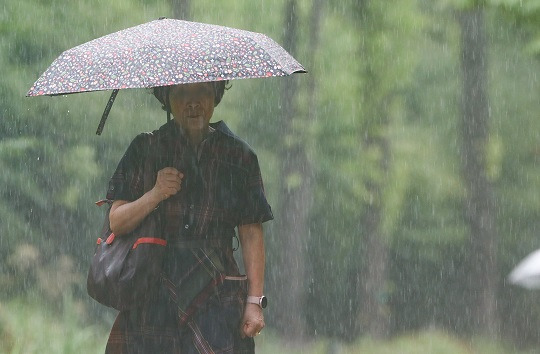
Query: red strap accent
point(102, 201)
point(99, 241)
point(154, 240)
point(110, 239)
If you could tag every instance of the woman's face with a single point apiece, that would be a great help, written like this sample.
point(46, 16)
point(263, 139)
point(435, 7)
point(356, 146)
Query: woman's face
point(192, 106)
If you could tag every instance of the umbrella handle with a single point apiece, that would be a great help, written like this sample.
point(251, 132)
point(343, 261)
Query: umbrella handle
point(106, 112)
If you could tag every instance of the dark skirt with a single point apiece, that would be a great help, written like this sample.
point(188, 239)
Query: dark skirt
point(154, 327)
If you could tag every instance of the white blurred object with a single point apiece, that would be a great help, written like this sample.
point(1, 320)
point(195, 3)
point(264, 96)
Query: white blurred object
point(527, 272)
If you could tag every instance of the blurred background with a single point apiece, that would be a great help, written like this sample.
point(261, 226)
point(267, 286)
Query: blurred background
point(403, 171)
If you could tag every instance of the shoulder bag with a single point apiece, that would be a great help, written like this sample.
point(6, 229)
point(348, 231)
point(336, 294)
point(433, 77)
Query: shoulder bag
point(125, 270)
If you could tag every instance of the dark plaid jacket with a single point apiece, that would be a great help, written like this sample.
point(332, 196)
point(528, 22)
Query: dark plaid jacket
point(221, 189)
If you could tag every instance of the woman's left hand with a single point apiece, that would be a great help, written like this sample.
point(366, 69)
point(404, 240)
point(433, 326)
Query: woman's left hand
point(252, 321)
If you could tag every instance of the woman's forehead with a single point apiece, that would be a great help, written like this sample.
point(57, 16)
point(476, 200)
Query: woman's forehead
point(199, 86)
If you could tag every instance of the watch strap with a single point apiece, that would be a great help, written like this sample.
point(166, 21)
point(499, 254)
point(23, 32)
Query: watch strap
point(257, 300)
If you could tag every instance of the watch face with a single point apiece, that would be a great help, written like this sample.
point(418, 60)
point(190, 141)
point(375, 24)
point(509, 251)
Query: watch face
point(264, 302)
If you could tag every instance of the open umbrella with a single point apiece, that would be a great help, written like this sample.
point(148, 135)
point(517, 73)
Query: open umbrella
point(527, 272)
point(164, 52)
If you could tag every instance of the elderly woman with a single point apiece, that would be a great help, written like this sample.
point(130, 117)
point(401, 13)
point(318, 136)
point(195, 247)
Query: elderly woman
point(208, 182)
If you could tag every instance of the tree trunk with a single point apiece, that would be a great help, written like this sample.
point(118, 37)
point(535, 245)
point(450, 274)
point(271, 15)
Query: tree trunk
point(181, 9)
point(295, 203)
point(314, 39)
point(372, 278)
point(479, 202)
point(374, 316)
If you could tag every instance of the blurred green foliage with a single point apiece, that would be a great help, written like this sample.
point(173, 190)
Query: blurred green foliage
point(29, 328)
point(383, 68)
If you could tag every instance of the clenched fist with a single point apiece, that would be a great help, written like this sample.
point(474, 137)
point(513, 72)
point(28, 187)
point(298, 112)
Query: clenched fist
point(252, 321)
point(168, 182)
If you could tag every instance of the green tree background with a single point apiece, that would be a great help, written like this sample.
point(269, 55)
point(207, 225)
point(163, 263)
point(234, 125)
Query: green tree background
point(377, 117)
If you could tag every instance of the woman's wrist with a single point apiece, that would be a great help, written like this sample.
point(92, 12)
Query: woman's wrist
point(155, 198)
point(259, 301)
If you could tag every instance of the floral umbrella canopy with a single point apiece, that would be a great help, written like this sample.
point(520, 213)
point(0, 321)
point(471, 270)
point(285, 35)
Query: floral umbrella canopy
point(164, 52)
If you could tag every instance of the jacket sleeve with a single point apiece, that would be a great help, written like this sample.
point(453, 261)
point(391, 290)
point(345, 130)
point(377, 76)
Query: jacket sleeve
point(254, 206)
point(126, 182)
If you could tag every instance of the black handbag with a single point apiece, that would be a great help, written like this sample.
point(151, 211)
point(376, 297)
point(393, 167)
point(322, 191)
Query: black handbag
point(125, 270)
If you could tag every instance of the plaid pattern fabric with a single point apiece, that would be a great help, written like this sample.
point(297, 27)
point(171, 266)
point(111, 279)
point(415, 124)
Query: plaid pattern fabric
point(196, 310)
point(193, 285)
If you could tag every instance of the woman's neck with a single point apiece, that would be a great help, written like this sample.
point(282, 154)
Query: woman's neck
point(195, 138)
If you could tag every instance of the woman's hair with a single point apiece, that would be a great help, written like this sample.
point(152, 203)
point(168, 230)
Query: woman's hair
point(162, 93)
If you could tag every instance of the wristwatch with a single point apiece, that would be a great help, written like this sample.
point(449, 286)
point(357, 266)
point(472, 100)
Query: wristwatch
point(258, 300)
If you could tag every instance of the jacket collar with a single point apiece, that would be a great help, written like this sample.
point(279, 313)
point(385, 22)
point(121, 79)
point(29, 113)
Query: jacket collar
point(177, 132)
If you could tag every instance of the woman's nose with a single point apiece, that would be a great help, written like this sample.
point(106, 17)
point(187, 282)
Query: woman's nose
point(193, 103)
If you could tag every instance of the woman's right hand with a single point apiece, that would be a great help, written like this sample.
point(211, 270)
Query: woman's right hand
point(168, 182)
